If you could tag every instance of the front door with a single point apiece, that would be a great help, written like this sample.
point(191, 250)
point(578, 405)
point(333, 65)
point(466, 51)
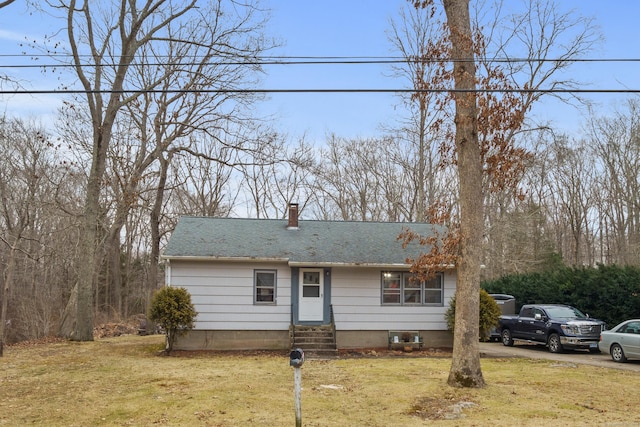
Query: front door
point(311, 292)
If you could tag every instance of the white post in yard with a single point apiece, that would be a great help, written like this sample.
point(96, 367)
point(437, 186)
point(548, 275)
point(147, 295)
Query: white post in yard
point(296, 359)
point(297, 380)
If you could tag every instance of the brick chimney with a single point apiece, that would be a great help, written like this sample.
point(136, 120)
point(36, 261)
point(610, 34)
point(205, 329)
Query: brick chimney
point(293, 216)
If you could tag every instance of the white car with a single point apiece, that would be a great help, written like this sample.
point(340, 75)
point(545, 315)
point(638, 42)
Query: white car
point(622, 342)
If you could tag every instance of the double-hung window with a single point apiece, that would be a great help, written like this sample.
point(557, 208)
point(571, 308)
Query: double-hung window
point(404, 288)
point(433, 291)
point(264, 286)
point(391, 288)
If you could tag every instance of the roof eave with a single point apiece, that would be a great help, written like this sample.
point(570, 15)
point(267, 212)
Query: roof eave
point(295, 263)
point(222, 258)
point(345, 264)
point(348, 264)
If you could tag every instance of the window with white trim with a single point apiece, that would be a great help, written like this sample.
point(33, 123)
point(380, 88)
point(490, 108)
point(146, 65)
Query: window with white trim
point(264, 286)
point(403, 288)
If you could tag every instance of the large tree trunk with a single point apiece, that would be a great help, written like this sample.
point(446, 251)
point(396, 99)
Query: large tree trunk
point(77, 320)
point(8, 282)
point(152, 280)
point(87, 258)
point(68, 321)
point(465, 367)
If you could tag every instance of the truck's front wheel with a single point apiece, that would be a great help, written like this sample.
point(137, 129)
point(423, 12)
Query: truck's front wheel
point(554, 344)
point(507, 339)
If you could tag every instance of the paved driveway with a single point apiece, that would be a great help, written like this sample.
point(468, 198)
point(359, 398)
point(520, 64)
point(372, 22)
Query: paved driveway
point(532, 351)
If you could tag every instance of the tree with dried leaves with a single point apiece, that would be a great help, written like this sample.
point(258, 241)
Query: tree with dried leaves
point(484, 153)
point(466, 253)
point(465, 367)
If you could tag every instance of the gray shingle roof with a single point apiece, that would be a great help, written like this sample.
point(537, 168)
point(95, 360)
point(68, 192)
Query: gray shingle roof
point(314, 242)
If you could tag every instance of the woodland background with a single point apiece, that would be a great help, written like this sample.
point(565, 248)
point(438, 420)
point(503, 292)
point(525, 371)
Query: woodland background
point(572, 200)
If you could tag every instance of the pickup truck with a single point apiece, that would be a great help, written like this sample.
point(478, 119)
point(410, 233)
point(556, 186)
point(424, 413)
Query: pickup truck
point(557, 326)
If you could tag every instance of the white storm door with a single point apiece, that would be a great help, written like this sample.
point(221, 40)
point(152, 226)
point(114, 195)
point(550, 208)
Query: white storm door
point(311, 307)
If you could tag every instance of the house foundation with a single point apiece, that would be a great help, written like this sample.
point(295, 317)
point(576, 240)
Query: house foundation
point(281, 340)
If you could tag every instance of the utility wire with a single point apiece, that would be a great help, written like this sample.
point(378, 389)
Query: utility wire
point(342, 58)
point(315, 60)
point(267, 91)
point(328, 60)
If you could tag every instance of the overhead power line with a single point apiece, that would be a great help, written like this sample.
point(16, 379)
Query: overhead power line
point(310, 90)
point(316, 60)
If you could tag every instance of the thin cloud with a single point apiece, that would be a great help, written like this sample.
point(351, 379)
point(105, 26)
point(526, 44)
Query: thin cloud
point(12, 36)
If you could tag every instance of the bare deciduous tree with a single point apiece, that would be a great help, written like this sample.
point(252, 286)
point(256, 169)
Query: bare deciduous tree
point(420, 39)
point(113, 45)
point(276, 175)
point(362, 180)
point(157, 62)
point(572, 186)
point(24, 187)
point(614, 140)
point(202, 187)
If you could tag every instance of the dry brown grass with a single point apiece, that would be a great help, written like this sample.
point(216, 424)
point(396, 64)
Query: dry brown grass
point(126, 381)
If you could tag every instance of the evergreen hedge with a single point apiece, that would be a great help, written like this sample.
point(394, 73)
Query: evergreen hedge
point(607, 292)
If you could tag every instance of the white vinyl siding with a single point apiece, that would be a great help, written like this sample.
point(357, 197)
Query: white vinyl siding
point(224, 293)
point(355, 295)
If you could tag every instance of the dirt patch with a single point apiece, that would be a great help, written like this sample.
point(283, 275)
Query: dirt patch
point(104, 330)
point(37, 342)
point(226, 353)
point(440, 408)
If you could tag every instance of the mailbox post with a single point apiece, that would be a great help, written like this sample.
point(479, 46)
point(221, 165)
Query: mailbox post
point(296, 359)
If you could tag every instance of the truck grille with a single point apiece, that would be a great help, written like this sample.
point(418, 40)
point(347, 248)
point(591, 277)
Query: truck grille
point(590, 330)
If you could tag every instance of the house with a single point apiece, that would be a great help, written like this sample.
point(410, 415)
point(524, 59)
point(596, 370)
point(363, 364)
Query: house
point(254, 281)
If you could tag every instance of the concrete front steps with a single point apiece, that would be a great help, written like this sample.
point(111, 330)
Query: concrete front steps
point(316, 341)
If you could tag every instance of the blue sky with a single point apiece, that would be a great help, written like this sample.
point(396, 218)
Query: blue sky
point(350, 28)
point(357, 28)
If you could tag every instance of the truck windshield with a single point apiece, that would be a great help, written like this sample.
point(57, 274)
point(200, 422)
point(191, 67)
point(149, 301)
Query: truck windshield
point(565, 313)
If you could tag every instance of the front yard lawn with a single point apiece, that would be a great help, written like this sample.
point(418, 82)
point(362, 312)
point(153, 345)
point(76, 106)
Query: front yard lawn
point(128, 381)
